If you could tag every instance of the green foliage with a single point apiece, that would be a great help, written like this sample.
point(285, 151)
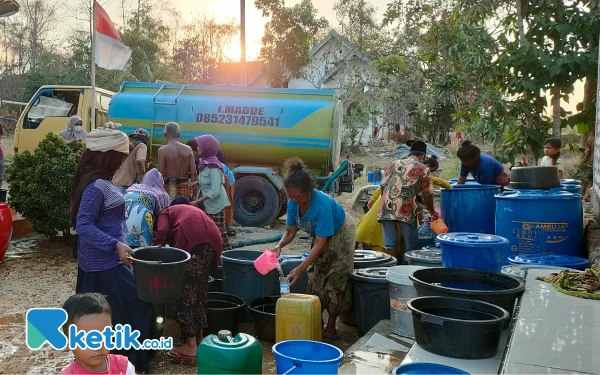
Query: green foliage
point(289, 37)
point(40, 183)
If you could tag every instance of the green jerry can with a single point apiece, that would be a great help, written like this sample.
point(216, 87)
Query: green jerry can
point(224, 354)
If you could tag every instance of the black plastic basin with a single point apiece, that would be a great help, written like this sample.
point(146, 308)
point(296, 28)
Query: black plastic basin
point(457, 328)
point(500, 290)
point(263, 311)
point(223, 312)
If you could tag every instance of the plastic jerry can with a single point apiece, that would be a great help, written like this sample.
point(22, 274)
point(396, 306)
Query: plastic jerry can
point(224, 354)
point(298, 317)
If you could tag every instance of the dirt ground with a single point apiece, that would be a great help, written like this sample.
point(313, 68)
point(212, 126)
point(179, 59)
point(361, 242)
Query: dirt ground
point(39, 272)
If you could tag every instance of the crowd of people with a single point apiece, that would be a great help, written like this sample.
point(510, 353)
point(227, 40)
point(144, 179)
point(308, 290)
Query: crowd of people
point(118, 205)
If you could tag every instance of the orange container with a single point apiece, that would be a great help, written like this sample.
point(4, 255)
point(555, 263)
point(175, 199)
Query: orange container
point(439, 226)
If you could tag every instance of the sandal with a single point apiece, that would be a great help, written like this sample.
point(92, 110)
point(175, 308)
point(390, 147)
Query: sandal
point(175, 354)
point(231, 232)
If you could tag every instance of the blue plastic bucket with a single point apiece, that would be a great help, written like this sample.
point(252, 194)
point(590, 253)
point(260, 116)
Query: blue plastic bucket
point(424, 368)
point(370, 177)
point(565, 261)
point(480, 251)
point(306, 357)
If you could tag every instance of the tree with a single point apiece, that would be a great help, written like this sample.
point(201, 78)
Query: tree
point(201, 49)
point(40, 16)
point(288, 38)
point(40, 184)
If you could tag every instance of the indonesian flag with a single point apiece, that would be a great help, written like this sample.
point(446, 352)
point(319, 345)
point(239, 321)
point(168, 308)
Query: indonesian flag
point(111, 54)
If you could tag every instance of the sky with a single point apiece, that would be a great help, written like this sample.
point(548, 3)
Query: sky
point(225, 10)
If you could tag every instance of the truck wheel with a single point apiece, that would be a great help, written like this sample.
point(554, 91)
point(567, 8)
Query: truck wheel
point(282, 209)
point(256, 202)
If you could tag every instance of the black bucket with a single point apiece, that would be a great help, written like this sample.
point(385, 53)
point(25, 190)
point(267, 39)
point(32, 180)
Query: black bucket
point(170, 308)
point(457, 328)
point(263, 312)
point(497, 289)
point(159, 273)
point(3, 195)
point(223, 312)
point(216, 286)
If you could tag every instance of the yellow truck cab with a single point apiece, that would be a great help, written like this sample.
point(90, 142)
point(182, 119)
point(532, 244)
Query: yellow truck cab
point(49, 111)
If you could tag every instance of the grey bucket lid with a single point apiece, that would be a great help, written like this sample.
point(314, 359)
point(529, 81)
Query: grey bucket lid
point(425, 256)
point(374, 274)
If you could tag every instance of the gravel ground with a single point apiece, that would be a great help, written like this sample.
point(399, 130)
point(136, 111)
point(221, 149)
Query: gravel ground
point(39, 272)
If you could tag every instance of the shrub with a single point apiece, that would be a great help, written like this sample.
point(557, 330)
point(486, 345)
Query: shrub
point(40, 184)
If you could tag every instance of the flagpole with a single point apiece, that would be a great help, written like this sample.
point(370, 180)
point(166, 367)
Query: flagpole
point(93, 109)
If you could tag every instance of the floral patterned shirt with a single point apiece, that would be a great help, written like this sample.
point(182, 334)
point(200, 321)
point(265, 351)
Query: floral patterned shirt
point(404, 179)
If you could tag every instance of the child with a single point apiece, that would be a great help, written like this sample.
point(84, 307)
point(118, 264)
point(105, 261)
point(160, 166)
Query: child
point(552, 155)
point(91, 311)
point(485, 169)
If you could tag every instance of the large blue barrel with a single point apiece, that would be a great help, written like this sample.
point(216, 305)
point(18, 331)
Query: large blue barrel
point(540, 222)
point(572, 186)
point(470, 181)
point(470, 208)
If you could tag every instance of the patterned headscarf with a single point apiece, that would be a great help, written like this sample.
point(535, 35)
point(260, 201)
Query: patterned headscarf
point(152, 184)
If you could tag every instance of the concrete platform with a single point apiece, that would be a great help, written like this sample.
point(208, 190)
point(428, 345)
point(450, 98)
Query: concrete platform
point(377, 352)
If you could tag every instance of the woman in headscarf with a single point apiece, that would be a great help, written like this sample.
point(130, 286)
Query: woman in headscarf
point(97, 210)
point(211, 179)
point(188, 228)
point(74, 131)
point(143, 203)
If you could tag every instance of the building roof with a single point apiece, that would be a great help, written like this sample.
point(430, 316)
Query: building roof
point(229, 73)
point(8, 7)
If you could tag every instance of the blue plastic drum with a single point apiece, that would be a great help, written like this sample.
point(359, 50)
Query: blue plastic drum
point(424, 368)
point(565, 261)
point(306, 357)
point(480, 251)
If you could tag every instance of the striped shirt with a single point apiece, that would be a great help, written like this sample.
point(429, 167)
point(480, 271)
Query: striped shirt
point(100, 223)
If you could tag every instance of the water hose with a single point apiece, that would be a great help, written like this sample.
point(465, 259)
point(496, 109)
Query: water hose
point(257, 241)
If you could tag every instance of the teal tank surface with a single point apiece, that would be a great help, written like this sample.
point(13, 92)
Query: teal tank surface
point(224, 354)
point(540, 222)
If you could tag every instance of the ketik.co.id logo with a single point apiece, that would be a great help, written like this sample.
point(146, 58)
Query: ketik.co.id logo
point(45, 325)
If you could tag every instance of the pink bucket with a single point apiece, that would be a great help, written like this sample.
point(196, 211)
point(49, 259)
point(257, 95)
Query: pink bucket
point(266, 262)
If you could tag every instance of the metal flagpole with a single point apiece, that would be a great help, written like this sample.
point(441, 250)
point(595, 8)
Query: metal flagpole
point(93, 109)
point(243, 42)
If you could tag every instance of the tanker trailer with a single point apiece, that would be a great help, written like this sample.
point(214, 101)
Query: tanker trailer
point(258, 129)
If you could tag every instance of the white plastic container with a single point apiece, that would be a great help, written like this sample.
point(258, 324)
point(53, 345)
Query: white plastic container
point(401, 291)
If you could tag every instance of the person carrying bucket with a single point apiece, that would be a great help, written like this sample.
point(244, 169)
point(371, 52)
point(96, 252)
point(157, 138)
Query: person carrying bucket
point(97, 212)
point(405, 179)
point(331, 258)
point(369, 231)
point(188, 228)
point(485, 169)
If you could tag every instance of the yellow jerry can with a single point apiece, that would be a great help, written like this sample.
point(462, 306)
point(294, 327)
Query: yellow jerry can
point(298, 317)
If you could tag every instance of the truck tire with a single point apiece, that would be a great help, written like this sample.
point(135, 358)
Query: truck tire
point(282, 209)
point(256, 202)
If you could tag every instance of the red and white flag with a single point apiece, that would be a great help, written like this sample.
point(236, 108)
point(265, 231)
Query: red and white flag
point(111, 53)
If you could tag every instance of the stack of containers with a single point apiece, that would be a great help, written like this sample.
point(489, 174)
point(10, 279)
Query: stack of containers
point(540, 214)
